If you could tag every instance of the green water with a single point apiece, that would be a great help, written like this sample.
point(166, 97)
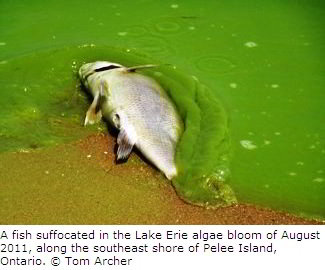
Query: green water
point(262, 59)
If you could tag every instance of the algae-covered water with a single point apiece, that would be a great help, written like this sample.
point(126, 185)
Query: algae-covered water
point(261, 60)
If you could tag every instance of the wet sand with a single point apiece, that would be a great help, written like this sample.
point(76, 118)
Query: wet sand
point(80, 183)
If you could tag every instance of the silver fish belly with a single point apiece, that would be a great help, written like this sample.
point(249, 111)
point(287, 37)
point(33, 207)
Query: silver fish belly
point(137, 106)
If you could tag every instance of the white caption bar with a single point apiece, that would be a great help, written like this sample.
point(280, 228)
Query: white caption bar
point(161, 247)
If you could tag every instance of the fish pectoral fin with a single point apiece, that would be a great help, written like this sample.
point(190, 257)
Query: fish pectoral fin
point(125, 143)
point(94, 114)
point(132, 69)
point(92, 117)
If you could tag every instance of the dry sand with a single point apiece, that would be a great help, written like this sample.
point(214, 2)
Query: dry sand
point(80, 183)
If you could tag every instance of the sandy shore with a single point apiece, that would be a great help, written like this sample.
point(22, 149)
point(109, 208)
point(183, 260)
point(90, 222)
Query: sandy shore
point(79, 183)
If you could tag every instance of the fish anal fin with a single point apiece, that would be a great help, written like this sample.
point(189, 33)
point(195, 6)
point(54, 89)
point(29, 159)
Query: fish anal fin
point(125, 143)
point(132, 69)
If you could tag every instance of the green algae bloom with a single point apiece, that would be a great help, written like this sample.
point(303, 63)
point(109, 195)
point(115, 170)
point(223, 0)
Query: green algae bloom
point(53, 97)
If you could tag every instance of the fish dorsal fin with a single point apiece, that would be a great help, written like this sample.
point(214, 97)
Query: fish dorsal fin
point(132, 69)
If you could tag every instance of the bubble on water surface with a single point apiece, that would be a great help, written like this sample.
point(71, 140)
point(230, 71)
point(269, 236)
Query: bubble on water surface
point(191, 27)
point(250, 44)
point(247, 144)
point(122, 34)
point(86, 45)
point(174, 6)
point(277, 133)
point(3, 62)
point(215, 64)
point(267, 142)
point(292, 173)
point(274, 85)
point(300, 163)
point(22, 150)
point(3, 43)
point(233, 85)
point(318, 180)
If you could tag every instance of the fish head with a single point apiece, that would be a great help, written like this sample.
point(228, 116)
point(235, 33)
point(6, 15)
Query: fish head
point(89, 73)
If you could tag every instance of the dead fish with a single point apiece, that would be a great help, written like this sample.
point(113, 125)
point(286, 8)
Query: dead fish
point(138, 107)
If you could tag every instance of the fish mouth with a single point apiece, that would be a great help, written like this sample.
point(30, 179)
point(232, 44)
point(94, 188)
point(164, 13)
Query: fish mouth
point(84, 72)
